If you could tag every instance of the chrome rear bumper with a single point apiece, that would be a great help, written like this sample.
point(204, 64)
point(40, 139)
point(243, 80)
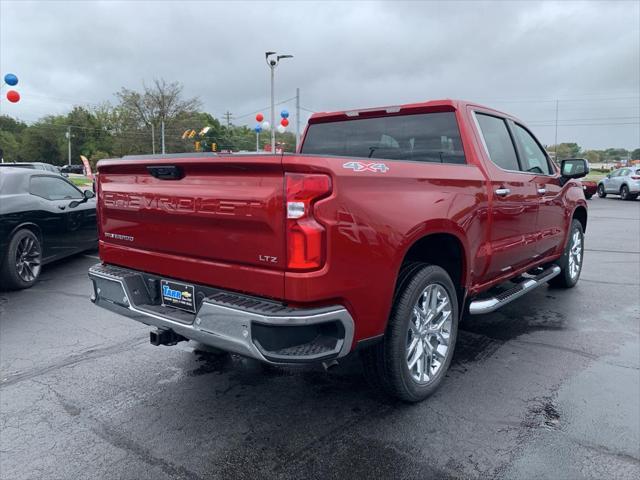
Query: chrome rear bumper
point(254, 327)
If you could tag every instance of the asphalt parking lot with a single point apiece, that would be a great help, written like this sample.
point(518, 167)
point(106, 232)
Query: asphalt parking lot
point(547, 387)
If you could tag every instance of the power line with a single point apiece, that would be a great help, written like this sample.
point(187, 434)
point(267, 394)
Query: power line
point(263, 109)
point(583, 119)
point(580, 124)
point(553, 100)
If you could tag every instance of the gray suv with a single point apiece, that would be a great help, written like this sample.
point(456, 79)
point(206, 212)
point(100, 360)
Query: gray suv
point(624, 182)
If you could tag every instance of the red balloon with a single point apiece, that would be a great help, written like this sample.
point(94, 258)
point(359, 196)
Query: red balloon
point(259, 117)
point(13, 96)
point(284, 122)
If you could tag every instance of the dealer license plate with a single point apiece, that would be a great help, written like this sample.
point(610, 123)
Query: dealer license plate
point(178, 295)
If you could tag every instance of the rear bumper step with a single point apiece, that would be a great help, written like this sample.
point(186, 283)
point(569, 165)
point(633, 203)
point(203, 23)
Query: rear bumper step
point(488, 305)
point(253, 327)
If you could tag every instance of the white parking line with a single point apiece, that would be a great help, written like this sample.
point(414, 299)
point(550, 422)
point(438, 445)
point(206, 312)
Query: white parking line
point(92, 256)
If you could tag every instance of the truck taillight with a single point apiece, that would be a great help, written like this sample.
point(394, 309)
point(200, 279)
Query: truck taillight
point(305, 236)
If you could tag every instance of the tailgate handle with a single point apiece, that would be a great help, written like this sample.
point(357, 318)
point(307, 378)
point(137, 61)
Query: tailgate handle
point(166, 172)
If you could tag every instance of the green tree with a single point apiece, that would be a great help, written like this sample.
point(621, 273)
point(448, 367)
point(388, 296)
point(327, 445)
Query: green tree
point(42, 142)
point(565, 150)
point(592, 155)
point(87, 134)
point(10, 147)
point(616, 154)
point(10, 136)
point(635, 155)
point(8, 124)
point(162, 102)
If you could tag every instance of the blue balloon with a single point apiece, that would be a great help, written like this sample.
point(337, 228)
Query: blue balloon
point(10, 79)
point(284, 114)
point(257, 128)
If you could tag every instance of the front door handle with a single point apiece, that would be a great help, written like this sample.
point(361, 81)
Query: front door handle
point(542, 191)
point(503, 192)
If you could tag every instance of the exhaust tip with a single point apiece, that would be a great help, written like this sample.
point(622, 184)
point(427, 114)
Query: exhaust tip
point(330, 365)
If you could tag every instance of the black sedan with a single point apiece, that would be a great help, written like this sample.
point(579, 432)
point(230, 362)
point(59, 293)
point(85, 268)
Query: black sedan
point(43, 217)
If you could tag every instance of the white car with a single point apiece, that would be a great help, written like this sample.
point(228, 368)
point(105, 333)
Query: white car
point(624, 182)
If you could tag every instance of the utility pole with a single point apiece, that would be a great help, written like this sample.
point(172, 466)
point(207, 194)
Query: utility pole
point(68, 135)
point(227, 116)
point(162, 128)
point(297, 118)
point(272, 65)
point(555, 148)
point(153, 139)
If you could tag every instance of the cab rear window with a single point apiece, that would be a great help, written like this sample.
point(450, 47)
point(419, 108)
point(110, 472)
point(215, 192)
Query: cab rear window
point(428, 137)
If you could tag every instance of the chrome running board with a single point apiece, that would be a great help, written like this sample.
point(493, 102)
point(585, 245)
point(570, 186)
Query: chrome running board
point(488, 305)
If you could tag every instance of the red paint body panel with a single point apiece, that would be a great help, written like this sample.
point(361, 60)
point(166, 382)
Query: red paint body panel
point(213, 226)
point(217, 224)
point(590, 188)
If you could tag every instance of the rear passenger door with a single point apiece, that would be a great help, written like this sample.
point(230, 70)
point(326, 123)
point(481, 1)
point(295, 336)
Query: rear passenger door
point(619, 180)
point(550, 223)
point(514, 206)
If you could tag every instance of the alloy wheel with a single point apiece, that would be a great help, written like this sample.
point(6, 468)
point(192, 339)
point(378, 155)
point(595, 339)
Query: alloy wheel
point(28, 259)
point(429, 333)
point(575, 254)
point(624, 192)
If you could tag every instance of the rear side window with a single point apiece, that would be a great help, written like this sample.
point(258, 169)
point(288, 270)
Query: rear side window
point(53, 188)
point(429, 137)
point(534, 160)
point(498, 142)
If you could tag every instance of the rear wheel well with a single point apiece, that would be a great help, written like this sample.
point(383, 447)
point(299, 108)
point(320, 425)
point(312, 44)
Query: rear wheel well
point(444, 250)
point(580, 214)
point(29, 226)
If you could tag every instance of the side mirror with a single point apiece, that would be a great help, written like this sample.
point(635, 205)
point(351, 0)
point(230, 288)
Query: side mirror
point(86, 195)
point(574, 168)
point(608, 175)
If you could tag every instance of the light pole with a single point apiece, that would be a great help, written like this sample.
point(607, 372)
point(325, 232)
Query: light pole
point(68, 135)
point(273, 63)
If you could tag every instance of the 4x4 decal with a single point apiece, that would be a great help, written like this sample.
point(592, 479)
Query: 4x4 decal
point(366, 167)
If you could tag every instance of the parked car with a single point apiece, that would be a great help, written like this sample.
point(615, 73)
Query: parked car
point(34, 165)
point(589, 188)
point(624, 182)
point(386, 226)
point(43, 217)
point(75, 169)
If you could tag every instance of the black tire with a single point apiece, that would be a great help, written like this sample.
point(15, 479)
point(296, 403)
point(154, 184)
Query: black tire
point(13, 276)
point(601, 191)
point(386, 364)
point(588, 196)
point(565, 279)
point(624, 193)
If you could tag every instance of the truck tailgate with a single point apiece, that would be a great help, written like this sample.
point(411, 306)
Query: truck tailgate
point(215, 220)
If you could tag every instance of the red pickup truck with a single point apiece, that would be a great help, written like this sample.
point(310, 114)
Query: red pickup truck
point(383, 229)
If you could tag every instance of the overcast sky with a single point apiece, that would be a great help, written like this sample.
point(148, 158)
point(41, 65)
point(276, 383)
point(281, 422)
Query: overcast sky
point(515, 56)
